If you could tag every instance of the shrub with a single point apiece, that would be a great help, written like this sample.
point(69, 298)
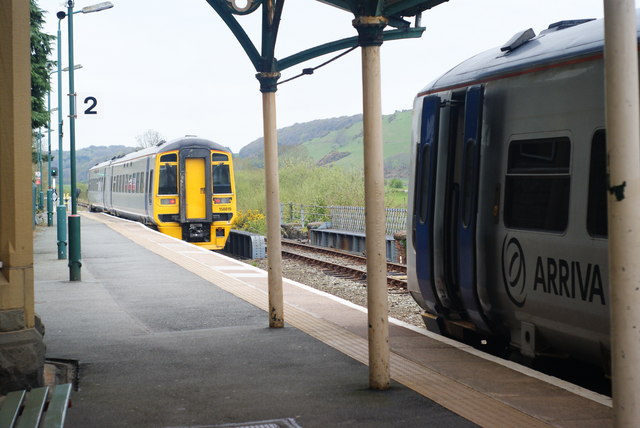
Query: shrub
point(251, 221)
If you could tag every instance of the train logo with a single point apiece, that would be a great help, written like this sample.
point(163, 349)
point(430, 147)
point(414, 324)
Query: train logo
point(514, 272)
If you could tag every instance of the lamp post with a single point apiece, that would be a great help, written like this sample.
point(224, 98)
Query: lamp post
point(49, 187)
point(51, 181)
point(74, 218)
point(61, 210)
point(40, 184)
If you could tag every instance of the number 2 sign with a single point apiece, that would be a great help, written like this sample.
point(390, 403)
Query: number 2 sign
point(91, 104)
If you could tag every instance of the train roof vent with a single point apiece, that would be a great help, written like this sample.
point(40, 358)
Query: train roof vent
point(161, 142)
point(561, 25)
point(518, 40)
point(190, 135)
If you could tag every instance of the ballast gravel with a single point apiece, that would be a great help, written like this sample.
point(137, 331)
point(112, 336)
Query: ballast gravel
point(401, 304)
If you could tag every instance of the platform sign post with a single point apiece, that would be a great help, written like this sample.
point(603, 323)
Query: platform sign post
point(623, 141)
point(74, 221)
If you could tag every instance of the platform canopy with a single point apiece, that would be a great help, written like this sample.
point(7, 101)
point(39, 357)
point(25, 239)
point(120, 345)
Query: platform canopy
point(388, 8)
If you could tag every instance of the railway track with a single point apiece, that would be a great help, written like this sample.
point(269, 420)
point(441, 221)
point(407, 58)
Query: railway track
point(342, 263)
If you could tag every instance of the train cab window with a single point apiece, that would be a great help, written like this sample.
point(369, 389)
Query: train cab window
point(221, 179)
point(168, 179)
point(219, 157)
point(537, 184)
point(171, 157)
point(597, 205)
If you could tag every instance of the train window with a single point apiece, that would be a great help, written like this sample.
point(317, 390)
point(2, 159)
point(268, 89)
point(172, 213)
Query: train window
point(540, 156)
point(219, 157)
point(168, 180)
point(171, 157)
point(423, 184)
point(141, 186)
point(221, 179)
point(468, 175)
point(597, 205)
point(537, 184)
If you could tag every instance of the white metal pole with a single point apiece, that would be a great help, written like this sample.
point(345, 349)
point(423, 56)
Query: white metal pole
point(272, 193)
point(378, 311)
point(623, 140)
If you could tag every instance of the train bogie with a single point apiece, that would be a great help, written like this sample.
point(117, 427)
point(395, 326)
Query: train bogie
point(508, 196)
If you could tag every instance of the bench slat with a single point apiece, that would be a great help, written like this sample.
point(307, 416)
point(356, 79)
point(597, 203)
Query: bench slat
point(10, 408)
point(57, 410)
point(33, 408)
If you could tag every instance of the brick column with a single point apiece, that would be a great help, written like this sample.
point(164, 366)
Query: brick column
point(21, 345)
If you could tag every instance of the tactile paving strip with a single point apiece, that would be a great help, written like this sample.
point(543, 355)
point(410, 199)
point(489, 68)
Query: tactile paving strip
point(451, 394)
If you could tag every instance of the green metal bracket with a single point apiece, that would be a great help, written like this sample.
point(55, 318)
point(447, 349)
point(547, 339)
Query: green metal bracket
point(222, 8)
point(290, 61)
point(268, 68)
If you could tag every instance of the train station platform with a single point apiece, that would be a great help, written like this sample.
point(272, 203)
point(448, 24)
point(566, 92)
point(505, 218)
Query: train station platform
point(170, 335)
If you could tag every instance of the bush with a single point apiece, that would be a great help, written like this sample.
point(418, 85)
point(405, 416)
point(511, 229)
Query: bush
point(251, 221)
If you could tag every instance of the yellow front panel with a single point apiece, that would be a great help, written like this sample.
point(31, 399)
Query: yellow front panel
point(195, 191)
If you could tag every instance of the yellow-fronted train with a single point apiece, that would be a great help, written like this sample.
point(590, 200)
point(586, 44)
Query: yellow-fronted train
point(184, 187)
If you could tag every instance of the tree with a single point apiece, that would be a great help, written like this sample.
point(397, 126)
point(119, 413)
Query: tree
point(40, 67)
point(149, 138)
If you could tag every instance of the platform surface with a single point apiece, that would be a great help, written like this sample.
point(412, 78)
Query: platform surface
point(170, 335)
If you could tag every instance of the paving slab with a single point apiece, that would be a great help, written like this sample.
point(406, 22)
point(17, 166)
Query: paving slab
point(159, 346)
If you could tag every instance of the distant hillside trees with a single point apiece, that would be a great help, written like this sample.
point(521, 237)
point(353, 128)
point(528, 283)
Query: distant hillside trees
point(300, 132)
point(149, 138)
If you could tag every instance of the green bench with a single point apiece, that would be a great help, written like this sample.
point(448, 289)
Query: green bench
point(22, 409)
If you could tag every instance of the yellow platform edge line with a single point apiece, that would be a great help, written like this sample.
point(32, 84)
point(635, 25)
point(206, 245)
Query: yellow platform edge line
point(472, 405)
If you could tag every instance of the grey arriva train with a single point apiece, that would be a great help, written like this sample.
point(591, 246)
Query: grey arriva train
point(508, 196)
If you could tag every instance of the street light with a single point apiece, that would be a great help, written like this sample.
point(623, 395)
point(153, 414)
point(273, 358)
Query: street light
point(61, 210)
point(39, 181)
point(59, 108)
point(74, 219)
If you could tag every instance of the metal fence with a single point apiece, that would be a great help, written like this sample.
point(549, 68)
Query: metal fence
point(339, 217)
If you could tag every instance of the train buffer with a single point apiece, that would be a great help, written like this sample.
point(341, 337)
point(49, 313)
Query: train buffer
point(26, 409)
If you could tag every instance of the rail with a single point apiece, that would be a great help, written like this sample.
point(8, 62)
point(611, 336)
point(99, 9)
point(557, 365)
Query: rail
point(340, 217)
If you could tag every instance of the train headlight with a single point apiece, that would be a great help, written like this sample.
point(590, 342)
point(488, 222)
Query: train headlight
point(221, 200)
point(171, 201)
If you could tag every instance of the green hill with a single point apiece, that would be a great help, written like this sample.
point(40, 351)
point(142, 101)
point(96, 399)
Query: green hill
point(338, 142)
point(325, 142)
point(86, 158)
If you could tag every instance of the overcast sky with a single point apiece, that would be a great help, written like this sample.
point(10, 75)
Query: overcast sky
point(175, 67)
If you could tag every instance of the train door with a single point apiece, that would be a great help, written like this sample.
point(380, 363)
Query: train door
point(148, 186)
point(196, 195)
point(466, 229)
point(108, 185)
point(445, 213)
point(423, 208)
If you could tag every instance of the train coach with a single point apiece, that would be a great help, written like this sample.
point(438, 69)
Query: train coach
point(508, 196)
point(184, 187)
